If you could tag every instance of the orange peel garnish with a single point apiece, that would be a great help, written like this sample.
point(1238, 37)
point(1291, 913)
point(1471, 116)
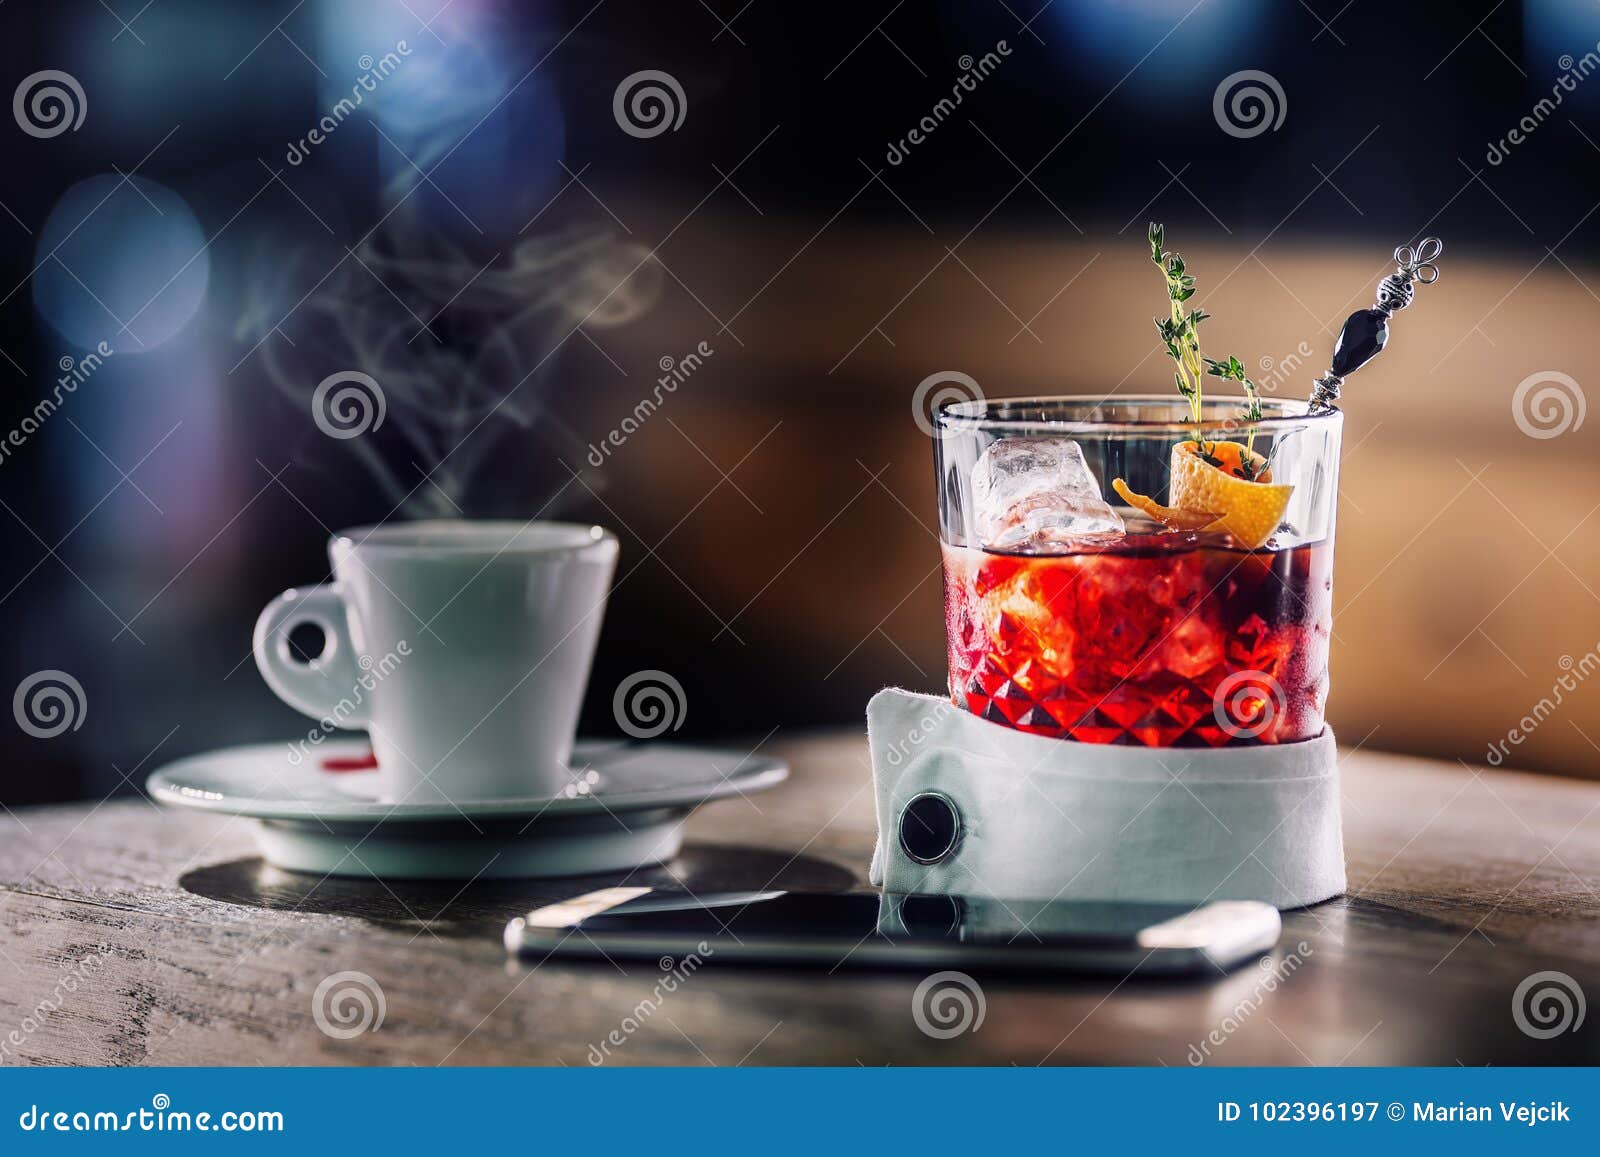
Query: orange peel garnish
point(1251, 509)
point(1168, 515)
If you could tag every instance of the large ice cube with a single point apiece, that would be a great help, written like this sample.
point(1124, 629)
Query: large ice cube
point(1036, 493)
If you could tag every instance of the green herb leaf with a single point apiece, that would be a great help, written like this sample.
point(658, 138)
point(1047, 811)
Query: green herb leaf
point(1180, 336)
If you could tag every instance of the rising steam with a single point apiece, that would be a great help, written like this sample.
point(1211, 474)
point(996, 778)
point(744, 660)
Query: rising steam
point(463, 352)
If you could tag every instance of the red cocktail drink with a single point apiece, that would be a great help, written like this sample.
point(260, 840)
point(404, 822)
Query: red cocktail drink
point(1132, 570)
point(1160, 638)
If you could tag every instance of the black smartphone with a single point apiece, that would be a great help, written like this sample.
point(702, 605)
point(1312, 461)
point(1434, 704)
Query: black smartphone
point(884, 929)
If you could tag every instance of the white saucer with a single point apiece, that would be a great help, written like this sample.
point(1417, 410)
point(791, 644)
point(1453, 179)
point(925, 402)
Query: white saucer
point(625, 808)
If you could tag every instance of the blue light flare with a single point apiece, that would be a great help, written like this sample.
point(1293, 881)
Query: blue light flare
point(1154, 48)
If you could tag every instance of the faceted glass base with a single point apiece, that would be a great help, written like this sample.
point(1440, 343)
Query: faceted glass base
point(1163, 640)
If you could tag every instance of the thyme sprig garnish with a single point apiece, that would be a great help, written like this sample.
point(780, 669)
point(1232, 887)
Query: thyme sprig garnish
point(1232, 370)
point(1180, 334)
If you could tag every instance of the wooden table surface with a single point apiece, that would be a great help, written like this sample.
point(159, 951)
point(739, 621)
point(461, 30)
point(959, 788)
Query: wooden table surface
point(1463, 883)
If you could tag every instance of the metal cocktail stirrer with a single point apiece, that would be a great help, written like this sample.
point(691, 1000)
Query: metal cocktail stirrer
point(1366, 330)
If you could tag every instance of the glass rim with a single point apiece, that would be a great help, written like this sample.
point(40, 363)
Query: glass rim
point(980, 414)
point(471, 537)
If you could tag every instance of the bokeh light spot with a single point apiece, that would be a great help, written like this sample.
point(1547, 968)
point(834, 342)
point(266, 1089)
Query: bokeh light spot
point(121, 261)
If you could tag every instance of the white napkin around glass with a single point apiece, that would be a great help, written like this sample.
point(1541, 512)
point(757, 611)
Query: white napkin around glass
point(1054, 819)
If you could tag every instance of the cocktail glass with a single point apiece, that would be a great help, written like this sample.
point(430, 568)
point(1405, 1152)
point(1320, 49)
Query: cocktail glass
point(1145, 635)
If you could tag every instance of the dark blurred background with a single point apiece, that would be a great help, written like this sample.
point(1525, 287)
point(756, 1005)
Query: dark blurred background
point(485, 239)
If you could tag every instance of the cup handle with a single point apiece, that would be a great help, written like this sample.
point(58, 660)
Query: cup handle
point(324, 687)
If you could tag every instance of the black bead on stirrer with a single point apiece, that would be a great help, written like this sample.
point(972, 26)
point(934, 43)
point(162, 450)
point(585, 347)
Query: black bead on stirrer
point(1366, 330)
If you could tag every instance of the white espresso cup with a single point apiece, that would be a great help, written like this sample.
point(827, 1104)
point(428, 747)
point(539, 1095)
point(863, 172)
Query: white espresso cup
point(462, 647)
